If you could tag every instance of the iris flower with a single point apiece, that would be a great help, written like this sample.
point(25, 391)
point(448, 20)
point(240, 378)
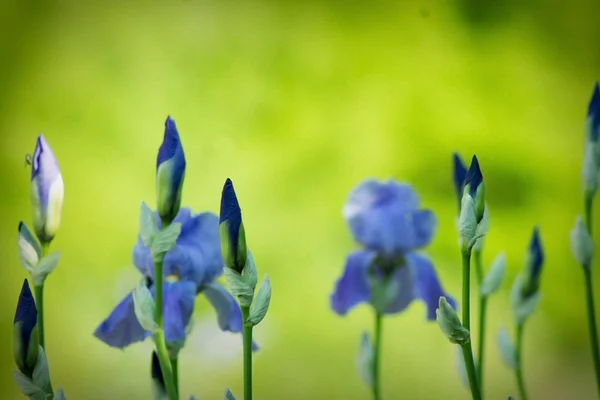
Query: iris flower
point(385, 218)
point(190, 268)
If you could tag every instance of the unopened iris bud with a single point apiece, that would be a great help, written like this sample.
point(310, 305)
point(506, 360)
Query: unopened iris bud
point(170, 173)
point(26, 341)
point(474, 187)
point(582, 244)
point(449, 323)
point(591, 160)
point(231, 227)
point(533, 266)
point(47, 191)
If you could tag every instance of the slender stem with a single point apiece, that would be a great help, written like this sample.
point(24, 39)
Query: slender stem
point(470, 366)
point(519, 369)
point(247, 333)
point(39, 297)
point(165, 365)
point(175, 369)
point(466, 321)
point(589, 295)
point(482, 315)
point(158, 292)
point(377, 356)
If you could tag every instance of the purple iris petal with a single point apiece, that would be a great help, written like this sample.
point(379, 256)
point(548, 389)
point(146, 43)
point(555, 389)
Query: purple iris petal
point(178, 305)
point(353, 287)
point(228, 311)
point(426, 284)
point(197, 253)
point(385, 217)
point(121, 328)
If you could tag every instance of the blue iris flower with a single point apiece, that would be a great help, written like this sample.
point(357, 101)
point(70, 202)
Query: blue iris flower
point(385, 218)
point(190, 268)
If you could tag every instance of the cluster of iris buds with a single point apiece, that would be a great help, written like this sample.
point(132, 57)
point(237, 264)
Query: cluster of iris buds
point(180, 255)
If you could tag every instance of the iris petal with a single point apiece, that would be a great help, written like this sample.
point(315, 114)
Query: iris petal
point(178, 305)
point(353, 286)
point(121, 328)
point(427, 287)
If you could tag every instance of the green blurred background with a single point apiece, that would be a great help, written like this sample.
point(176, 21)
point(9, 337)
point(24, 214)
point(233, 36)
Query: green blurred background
point(298, 102)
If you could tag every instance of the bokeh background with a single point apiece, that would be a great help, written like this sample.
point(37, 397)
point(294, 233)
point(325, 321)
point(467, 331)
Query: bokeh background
point(298, 102)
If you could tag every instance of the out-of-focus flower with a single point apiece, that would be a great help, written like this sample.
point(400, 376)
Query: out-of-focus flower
point(190, 268)
point(26, 341)
point(385, 218)
point(533, 265)
point(170, 172)
point(47, 191)
point(591, 158)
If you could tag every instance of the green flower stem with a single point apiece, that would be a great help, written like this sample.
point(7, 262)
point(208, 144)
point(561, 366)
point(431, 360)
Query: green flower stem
point(159, 337)
point(519, 369)
point(377, 356)
point(165, 365)
point(482, 315)
point(466, 321)
point(589, 296)
point(39, 303)
point(175, 369)
point(247, 333)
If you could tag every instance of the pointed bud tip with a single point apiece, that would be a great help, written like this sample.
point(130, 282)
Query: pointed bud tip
point(594, 106)
point(229, 203)
point(474, 176)
point(26, 305)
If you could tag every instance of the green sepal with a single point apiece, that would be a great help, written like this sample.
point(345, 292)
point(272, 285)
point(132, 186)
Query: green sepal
point(165, 240)
point(38, 386)
point(449, 323)
point(148, 226)
point(143, 305)
point(493, 278)
point(44, 268)
point(242, 285)
point(260, 303)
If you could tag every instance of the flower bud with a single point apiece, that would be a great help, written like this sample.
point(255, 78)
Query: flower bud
point(47, 191)
point(475, 188)
point(582, 244)
point(26, 341)
point(29, 248)
point(231, 228)
point(158, 382)
point(591, 159)
point(170, 173)
point(533, 265)
point(449, 323)
point(460, 174)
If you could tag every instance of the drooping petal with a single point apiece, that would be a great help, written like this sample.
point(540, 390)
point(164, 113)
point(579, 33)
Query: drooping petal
point(384, 217)
point(353, 287)
point(121, 328)
point(178, 305)
point(197, 253)
point(228, 311)
point(229, 315)
point(427, 287)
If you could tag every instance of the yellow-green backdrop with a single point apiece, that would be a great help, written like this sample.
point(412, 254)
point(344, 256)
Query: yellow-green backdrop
point(298, 102)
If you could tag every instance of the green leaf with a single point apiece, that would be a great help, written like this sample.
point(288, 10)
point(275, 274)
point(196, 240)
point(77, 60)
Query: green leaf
point(41, 375)
point(143, 305)
point(242, 285)
point(506, 349)
point(229, 395)
point(28, 388)
point(148, 228)
point(44, 268)
point(260, 304)
point(165, 240)
point(494, 277)
point(364, 359)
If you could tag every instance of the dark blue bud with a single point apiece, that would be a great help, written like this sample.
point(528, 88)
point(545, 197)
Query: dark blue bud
point(156, 372)
point(170, 173)
point(233, 238)
point(460, 174)
point(594, 114)
point(26, 341)
point(474, 177)
point(533, 265)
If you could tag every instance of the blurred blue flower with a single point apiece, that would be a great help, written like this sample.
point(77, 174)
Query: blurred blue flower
point(170, 172)
point(460, 175)
point(533, 265)
point(47, 191)
point(190, 268)
point(26, 342)
point(385, 218)
point(594, 115)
